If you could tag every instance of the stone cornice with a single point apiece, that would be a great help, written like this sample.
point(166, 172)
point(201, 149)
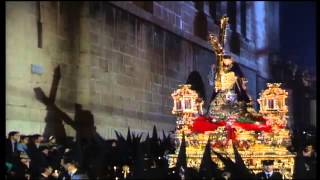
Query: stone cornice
point(132, 9)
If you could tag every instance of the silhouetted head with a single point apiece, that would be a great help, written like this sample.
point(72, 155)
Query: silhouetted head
point(14, 136)
point(267, 165)
point(24, 158)
point(83, 118)
point(44, 149)
point(37, 138)
point(197, 84)
point(78, 107)
point(226, 175)
point(24, 139)
point(70, 164)
point(46, 169)
point(308, 150)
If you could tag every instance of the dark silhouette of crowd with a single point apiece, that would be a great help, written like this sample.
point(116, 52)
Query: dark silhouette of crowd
point(36, 157)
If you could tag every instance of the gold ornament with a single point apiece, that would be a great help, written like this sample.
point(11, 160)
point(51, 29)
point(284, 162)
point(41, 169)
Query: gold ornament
point(253, 146)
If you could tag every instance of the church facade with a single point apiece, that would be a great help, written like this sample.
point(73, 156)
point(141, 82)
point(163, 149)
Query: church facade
point(122, 60)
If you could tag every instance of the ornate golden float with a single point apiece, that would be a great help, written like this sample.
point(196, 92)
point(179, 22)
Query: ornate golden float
point(259, 135)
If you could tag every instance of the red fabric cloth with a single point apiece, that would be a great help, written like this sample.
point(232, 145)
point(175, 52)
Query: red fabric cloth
point(202, 124)
point(253, 127)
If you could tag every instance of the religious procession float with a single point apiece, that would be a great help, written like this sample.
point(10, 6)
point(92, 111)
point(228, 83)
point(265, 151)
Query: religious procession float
point(231, 118)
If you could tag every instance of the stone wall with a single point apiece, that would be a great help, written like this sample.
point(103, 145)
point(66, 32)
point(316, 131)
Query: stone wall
point(119, 67)
point(117, 60)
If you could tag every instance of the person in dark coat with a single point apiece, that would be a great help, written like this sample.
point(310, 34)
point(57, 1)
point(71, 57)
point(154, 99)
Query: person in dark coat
point(35, 154)
point(268, 172)
point(12, 154)
point(305, 164)
point(47, 173)
point(71, 166)
point(22, 169)
point(55, 155)
point(44, 156)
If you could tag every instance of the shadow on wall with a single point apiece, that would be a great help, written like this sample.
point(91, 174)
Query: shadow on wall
point(92, 151)
point(197, 84)
point(83, 122)
point(88, 141)
point(54, 125)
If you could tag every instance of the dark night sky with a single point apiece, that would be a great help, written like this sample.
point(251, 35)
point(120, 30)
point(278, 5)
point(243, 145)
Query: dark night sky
point(298, 32)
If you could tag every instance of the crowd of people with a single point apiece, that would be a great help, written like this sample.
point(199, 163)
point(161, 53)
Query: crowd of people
point(38, 157)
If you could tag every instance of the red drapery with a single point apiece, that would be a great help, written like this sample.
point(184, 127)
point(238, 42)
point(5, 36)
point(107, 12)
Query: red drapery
point(202, 124)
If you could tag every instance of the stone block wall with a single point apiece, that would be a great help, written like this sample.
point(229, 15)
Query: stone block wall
point(119, 67)
point(117, 60)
